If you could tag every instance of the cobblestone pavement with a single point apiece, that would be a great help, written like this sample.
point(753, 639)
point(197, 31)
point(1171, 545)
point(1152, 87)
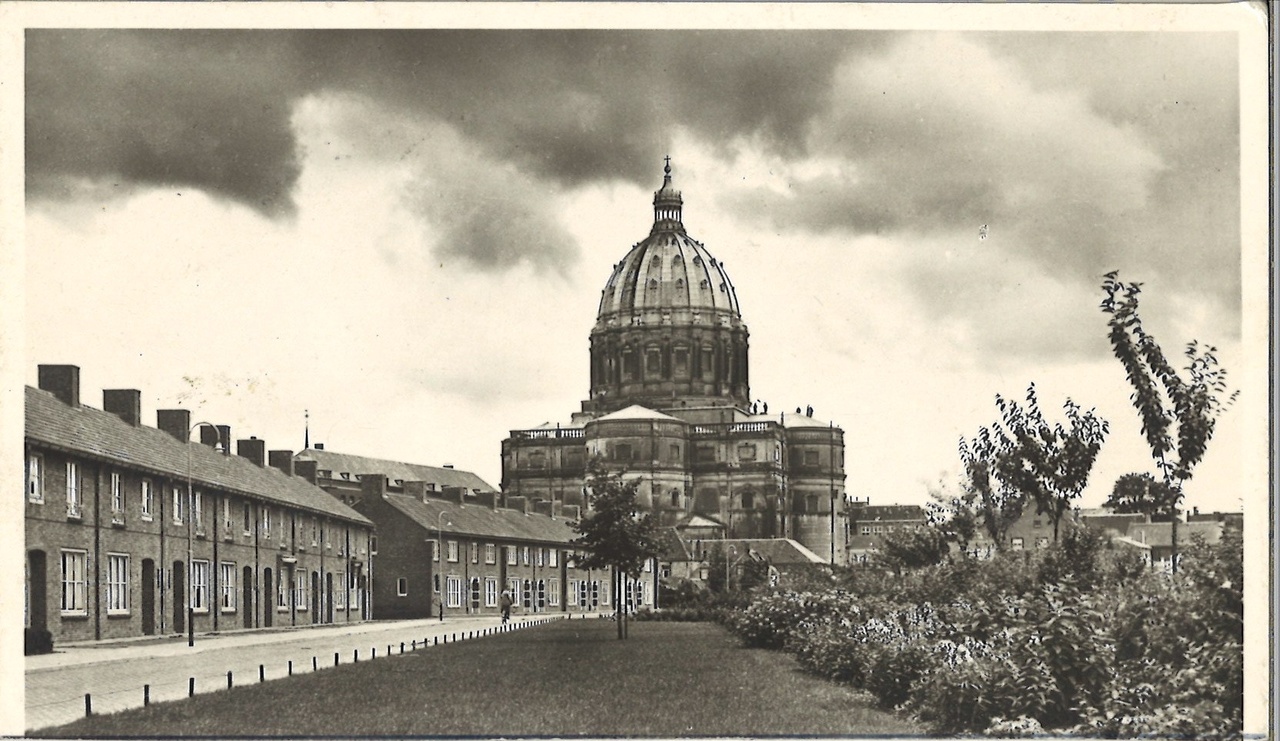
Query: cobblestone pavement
point(114, 674)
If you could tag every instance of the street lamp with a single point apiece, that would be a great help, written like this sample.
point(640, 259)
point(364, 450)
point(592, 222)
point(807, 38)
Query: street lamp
point(191, 628)
point(441, 556)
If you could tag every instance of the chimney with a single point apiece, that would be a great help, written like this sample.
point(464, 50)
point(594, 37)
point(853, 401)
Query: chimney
point(306, 469)
point(542, 507)
point(455, 494)
point(519, 504)
point(224, 438)
point(416, 489)
point(176, 422)
point(63, 381)
point(571, 512)
point(373, 486)
point(125, 404)
point(209, 436)
point(281, 459)
point(253, 449)
point(487, 499)
point(319, 446)
point(448, 466)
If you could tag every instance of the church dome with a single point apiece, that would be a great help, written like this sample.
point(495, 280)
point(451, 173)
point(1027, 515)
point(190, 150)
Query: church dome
point(668, 277)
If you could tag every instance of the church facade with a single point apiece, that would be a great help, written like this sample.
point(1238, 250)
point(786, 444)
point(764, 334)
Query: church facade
point(670, 404)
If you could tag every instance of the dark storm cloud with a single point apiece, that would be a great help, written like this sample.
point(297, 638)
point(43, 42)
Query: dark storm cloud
point(211, 109)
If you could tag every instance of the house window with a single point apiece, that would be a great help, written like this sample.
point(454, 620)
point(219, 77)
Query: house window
point(435, 583)
point(572, 592)
point(315, 533)
point(490, 592)
point(877, 529)
point(538, 556)
point(148, 499)
point(74, 587)
point(226, 516)
point(1016, 544)
point(35, 478)
point(197, 511)
point(490, 553)
point(1035, 524)
point(604, 592)
point(248, 518)
point(340, 597)
point(435, 551)
point(553, 592)
point(475, 552)
point(553, 558)
point(524, 555)
point(748, 500)
point(453, 595)
point(451, 549)
point(200, 586)
point(675, 497)
point(117, 498)
point(227, 586)
point(513, 588)
point(526, 595)
point(511, 555)
point(866, 530)
point(266, 522)
point(177, 505)
point(402, 587)
point(300, 590)
point(373, 544)
point(475, 593)
point(542, 593)
point(73, 489)
point(117, 584)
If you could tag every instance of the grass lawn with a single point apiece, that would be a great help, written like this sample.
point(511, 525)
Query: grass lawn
point(569, 678)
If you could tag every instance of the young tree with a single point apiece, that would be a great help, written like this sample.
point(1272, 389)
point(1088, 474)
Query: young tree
point(956, 516)
point(912, 548)
point(1140, 493)
point(1051, 463)
point(989, 461)
point(1178, 414)
point(614, 533)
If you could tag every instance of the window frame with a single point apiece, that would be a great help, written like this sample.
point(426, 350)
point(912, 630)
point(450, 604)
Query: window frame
point(402, 586)
point(490, 591)
point(300, 590)
point(117, 584)
point(147, 496)
point(76, 588)
point(74, 500)
point(117, 497)
point(553, 558)
point(490, 553)
point(553, 592)
point(35, 481)
point(178, 507)
point(199, 586)
point(451, 551)
point(453, 591)
point(227, 587)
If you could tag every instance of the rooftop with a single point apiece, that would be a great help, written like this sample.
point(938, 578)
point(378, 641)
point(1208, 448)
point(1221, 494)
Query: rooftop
point(356, 466)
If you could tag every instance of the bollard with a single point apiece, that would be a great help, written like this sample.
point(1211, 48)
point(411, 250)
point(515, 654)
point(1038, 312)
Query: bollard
point(228, 680)
point(88, 705)
point(401, 646)
point(413, 646)
point(291, 667)
point(335, 658)
point(146, 695)
point(191, 686)
point(262, 673)
point(314, 665)
point(374, 651)
point(436, 640)
point(356, 656)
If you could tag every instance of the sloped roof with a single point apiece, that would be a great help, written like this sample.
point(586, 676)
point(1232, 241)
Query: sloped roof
point(635, 411)
point(104, 436)
point(872, 512)
point(1161, 533)
point(696, 519)
point(778, 551)
point(791, 419)
point(482, 521)
point(357, 465)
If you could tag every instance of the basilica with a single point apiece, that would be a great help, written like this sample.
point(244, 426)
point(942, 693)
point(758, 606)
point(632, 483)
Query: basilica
point(670, 404)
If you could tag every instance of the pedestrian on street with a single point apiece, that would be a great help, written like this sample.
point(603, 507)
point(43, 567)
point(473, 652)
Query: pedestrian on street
point(506, 606)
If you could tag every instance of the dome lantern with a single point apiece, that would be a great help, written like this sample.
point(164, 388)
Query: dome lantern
point(667, 202)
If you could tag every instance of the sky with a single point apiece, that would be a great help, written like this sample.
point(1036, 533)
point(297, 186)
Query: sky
point(404, 234)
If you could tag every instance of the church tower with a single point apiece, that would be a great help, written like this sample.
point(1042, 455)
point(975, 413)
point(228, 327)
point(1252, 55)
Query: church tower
point(669, 333)
point(670, 405)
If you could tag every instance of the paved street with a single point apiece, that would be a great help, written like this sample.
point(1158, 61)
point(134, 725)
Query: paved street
point(114, 674)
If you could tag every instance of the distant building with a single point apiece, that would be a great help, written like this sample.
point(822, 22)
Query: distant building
point(869, 523)
point(670, 405)
point(1155, 539)
point(116, 546)
point(694, 559)
point(447, 540)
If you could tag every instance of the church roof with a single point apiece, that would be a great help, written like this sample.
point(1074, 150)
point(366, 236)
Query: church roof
point(669, 270)
point(790, 419)
point(635, 411)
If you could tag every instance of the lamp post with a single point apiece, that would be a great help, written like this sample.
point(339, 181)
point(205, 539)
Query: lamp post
point(727, 560)
point(440, 552)
point(191, 628)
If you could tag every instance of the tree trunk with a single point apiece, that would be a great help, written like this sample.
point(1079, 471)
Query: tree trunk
point(1173, 541)
point(617, 605)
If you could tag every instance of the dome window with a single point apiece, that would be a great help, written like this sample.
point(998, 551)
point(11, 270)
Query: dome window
point(697, 260)
point(705, 283)
point(677, 260)
point(657, 260)
point(680, 283)
point(653, 284)
point(723, 288)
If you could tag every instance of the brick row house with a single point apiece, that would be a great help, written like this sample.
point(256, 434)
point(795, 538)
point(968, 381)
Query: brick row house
point(448, 542)
point(131, 529)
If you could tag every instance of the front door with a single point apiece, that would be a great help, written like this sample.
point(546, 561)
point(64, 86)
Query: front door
point(179, 589)
point(37, 589)
point(148, 597)
point(246, 596)
point(268, 598)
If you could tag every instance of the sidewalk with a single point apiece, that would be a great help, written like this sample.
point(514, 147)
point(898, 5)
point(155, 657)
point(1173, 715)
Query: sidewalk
point(114, 674)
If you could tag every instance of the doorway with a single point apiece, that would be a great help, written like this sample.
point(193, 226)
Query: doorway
point(268, 598)
point(246, 596)
point(179, 589)
point(148, 597)
point(38, 589)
